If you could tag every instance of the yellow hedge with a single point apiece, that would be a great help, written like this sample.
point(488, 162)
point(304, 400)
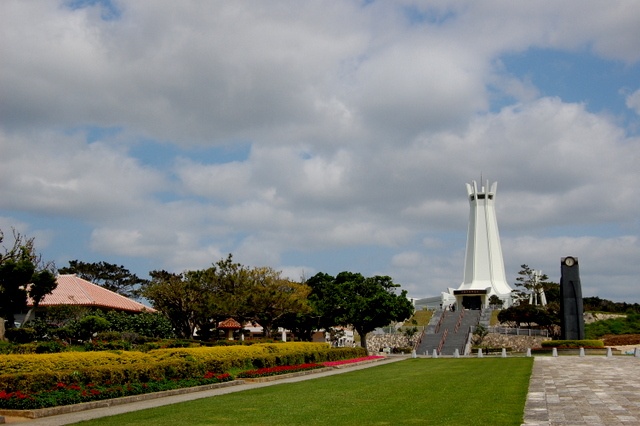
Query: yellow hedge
point(38, 372)
point(10, 364)
point(217, 358)
point(114, 374)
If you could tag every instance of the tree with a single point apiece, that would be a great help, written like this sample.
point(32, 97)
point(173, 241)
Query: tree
point(480, 333)
point(178, 298)
point(495, 300)
point(23, 274)
point(531, 282)
point(271, 297)
point(110, 276)
point(546, 317)
point(363, 303)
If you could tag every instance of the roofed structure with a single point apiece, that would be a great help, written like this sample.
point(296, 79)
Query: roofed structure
point(73, 290)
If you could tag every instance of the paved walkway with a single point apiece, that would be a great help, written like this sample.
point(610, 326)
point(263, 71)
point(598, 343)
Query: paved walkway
point(591, 390)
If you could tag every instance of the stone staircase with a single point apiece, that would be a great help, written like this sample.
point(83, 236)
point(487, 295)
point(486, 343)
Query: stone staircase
point(459, 340)
point(448, 322)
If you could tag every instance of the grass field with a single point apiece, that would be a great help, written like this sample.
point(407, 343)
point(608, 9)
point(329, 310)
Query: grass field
point(486, 391)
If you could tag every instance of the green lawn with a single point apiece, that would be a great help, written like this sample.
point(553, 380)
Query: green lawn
point(421, 318)
point(486, 391)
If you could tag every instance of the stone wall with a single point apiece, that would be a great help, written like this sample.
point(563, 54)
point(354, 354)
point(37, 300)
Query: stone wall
point(375, 342)
point(517, 343)
point(589, 317)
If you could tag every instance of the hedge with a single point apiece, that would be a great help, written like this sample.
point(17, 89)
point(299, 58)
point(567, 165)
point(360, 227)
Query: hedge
point(115, 374)
point(572, 344)
point(10, 364)
point(39, 372)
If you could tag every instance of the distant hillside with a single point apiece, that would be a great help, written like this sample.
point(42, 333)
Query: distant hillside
point(627, 325)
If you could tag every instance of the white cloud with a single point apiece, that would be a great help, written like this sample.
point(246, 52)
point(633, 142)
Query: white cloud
point(633, 101)
point(364, 122)
point(58, 174)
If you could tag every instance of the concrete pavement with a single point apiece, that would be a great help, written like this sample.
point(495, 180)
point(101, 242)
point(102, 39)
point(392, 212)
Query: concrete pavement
point(591, 390)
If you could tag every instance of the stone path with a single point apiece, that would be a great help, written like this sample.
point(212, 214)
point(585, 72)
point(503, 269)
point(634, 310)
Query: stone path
point(591, 390)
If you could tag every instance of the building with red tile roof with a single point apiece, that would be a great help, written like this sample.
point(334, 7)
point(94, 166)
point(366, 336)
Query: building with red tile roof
point(73, 290)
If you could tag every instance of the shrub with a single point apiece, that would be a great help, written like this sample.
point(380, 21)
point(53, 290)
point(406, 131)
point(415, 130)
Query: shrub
point(38, 372)
point(50, 347)
point(11, 364)
point(628, 325)
point(87, 326)
point(405, 350)
point(112, 375)
point(41, 328)
point(109, 336)
point(148, 324)
point(20, 335)
point(573, 344)
point(113, 345)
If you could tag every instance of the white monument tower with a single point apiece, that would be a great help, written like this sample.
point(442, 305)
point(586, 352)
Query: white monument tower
point(484, 273)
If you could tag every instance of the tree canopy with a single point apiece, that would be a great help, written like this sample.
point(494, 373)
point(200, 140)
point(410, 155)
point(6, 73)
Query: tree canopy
point(350, 299)
point(530, 282)
point(199, 300)
point(22, 274)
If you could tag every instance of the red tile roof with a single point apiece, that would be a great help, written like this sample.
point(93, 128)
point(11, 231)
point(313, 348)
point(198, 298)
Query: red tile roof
point(229, 323)
point(73, 290)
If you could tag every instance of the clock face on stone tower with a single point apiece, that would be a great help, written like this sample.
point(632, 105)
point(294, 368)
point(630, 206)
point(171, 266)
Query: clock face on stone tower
point(569, 261)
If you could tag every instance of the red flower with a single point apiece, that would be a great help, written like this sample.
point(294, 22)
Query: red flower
point(61, 385)
point(94, 392)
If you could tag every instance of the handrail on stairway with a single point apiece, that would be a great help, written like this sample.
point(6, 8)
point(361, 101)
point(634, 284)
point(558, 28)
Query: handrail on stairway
point(440, 322)
point(444, 337)
point(459, 320)
point(416, 345)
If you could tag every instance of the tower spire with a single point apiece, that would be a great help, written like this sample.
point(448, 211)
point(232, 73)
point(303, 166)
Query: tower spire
point(484, 273)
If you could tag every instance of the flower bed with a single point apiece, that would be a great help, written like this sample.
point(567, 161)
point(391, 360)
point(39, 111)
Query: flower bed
point(67, 394)
point(350, 361)
point(274, 371)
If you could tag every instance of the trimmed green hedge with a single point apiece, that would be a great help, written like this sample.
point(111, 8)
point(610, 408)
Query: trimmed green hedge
point(172, 364)
point(573, 344)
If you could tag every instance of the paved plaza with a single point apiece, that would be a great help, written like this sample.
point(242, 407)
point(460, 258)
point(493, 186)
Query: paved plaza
point(591, 390)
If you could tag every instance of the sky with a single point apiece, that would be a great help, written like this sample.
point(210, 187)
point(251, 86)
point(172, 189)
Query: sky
point(324, 136)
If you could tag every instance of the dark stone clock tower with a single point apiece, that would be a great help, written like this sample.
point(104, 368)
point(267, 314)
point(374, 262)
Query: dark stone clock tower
point(571, 310)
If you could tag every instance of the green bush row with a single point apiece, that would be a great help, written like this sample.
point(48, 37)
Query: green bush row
point(181, 366)
point(573, 344)
point(114, 374)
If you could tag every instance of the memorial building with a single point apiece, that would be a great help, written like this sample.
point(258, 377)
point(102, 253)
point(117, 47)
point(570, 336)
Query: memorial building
point(484, 274)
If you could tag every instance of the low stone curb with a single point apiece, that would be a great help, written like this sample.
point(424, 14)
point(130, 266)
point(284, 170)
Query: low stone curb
point(351, 364)
point(64, 409)
point(286, 376)
point(304, 373)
